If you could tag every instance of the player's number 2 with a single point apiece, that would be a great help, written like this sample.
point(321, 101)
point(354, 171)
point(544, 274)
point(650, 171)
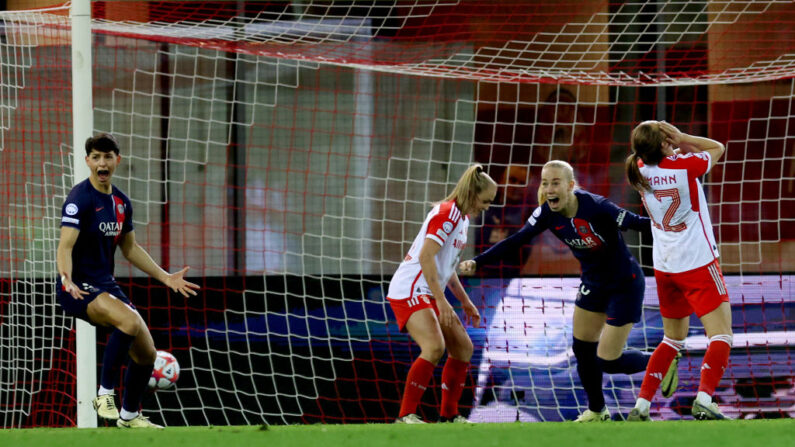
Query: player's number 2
point(673, 194)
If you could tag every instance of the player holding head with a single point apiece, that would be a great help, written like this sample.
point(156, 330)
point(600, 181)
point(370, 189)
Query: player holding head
point(96, 218)
point(416, 295)
point(664, 167)
point(612, 283)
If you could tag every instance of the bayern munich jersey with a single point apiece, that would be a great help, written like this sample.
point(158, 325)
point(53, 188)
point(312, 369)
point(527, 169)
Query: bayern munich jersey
point(444, 225)
point(102, 220)
point(683, 238)
point(593, 235)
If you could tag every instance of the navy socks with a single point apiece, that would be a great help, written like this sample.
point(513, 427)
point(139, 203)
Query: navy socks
point(590, 373)
point(135, 382)
point(115, 352)
point(630, 362)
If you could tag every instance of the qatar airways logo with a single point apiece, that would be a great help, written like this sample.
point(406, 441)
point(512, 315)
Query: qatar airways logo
point(587, 242)
point(110, 228)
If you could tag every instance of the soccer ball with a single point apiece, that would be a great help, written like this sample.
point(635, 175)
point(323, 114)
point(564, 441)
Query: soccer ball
point(165, 373)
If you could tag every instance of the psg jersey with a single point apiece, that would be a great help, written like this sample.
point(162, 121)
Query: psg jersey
point(593, 235)
point(102, 220)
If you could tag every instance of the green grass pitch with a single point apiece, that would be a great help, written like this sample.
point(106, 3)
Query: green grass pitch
point(767, 433)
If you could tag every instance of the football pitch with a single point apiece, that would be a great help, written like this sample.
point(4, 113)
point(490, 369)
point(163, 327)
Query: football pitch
point(769, 433)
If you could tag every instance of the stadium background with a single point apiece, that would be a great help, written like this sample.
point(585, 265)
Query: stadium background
point(291, 166)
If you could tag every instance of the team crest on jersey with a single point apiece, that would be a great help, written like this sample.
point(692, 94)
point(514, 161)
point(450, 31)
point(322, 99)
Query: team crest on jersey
point(447, 227)
point(583, 229)
point(120, 208)
point(71, 209)
point(425, 298)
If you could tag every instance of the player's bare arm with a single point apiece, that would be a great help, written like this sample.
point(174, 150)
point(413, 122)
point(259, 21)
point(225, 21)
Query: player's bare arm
point(470, 310)
point(64, 261)
point(690, 143)
point(428, 264)
point(141, 259)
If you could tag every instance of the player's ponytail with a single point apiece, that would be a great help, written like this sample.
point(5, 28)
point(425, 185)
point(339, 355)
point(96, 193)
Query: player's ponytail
point(647, 140)
point(472, 182)
point(635, 179)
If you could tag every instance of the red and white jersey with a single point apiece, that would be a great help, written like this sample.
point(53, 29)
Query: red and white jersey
point(682, 230)
point(446, 226)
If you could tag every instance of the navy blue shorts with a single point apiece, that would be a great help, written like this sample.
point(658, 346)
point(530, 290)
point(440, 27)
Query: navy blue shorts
point(78, 308)
point(622, 302)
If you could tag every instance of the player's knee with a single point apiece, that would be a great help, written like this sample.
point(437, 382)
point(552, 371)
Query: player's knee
point(130, 324)
point(464, 351)
point(433, 352)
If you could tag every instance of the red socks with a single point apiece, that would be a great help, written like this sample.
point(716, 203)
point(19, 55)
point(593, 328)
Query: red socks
point(716, 360)
point(658, 366)
point(416, 382)
point(454, 377)
point(453, 380)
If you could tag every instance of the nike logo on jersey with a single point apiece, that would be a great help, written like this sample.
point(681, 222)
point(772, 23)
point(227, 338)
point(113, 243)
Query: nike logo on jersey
point(99, 209)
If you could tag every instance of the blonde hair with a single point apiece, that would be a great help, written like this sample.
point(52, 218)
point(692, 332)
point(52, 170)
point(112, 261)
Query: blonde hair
point(472, 182)
point(569, 172)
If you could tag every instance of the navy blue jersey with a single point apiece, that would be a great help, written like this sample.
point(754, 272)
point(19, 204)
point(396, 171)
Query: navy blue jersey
point(593, 235)
point(102, 220)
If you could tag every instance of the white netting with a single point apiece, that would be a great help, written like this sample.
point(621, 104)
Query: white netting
point(289, 154)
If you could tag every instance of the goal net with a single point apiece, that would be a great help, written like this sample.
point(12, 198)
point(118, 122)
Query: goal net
point(288, 153)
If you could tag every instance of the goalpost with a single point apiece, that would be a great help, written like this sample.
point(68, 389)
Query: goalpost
point(288, 152)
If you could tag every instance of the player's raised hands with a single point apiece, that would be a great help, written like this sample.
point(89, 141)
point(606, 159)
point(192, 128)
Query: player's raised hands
point(467, 268)
point(672, 135)
point(176, 281)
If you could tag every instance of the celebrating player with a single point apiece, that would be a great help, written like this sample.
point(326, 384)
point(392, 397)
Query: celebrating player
point(612, 282)
point(96, 218)
point(664, 167)
point(416, 295)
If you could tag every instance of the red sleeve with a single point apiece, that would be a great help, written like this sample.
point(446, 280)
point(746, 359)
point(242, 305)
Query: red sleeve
point(697, 164)
point(443, 223)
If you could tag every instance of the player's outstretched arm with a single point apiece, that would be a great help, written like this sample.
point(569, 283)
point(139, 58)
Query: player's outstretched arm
point(141, 259)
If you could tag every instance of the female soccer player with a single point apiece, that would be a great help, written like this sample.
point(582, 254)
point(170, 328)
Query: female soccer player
point(416, 295)
point(96, 218)
point(612, 282)
point(664, 167)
